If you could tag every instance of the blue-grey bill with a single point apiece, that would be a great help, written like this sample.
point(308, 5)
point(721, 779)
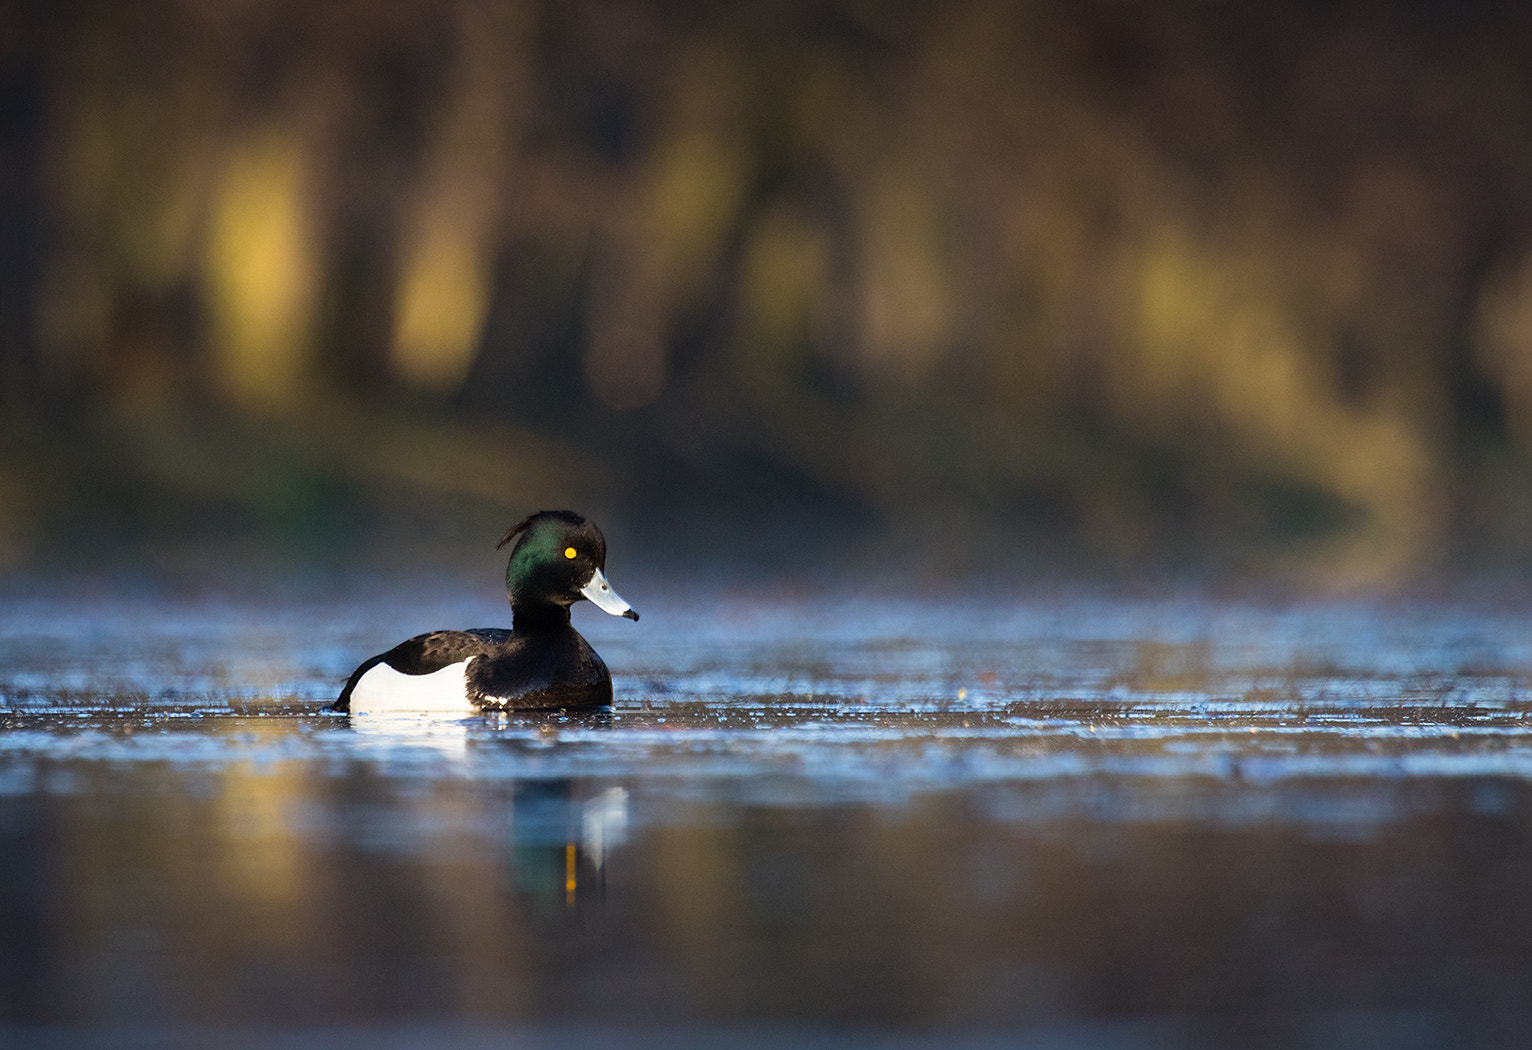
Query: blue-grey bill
point(606, 599)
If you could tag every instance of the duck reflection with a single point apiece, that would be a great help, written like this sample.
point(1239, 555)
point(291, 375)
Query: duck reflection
point(546, 722)
point(556, 833)
point(449, 736)
point(390, 734)
point(561, 835)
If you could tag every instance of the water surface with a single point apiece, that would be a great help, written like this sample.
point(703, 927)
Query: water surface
point(1049, 820)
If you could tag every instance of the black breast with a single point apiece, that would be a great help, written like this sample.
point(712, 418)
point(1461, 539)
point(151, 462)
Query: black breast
point(540, 670)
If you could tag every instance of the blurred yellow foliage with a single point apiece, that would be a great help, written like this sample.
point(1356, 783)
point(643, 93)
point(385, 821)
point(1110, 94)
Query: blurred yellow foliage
point(261, 269)
point(970, 254)
point(1217, 343)
point(443, 299)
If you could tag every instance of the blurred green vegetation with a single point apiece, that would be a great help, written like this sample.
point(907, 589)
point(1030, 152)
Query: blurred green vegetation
point(1238, 285)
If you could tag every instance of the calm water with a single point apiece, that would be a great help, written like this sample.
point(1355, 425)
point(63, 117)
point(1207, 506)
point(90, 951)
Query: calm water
point(1052, 822)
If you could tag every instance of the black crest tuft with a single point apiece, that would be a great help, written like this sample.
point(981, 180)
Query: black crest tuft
point(567, 516)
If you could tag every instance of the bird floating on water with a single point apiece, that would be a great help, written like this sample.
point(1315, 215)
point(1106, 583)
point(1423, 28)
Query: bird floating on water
point(557, 558)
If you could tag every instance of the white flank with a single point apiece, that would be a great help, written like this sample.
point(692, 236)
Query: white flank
point(383, 689)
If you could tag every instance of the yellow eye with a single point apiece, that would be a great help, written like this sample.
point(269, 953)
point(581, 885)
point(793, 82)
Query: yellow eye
point(570, 552)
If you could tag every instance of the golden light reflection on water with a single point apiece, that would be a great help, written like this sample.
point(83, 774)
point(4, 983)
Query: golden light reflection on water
point(262, 856)
point(702, 896)
point(1163, 667)
point(791, 858)
point(264, 864)
point(465, 887)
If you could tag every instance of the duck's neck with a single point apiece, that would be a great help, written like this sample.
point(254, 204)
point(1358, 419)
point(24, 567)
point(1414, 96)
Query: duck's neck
point(539, 616)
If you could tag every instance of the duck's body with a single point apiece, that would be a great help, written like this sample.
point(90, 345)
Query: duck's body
point(541, 663)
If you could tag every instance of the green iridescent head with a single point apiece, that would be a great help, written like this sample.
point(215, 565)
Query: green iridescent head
point(557, 558)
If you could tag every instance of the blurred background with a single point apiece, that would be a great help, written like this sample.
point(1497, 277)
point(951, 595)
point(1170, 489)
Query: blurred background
point(1230, 288)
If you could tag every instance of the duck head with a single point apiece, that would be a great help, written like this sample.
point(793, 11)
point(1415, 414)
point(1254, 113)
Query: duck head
point(558, 558)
